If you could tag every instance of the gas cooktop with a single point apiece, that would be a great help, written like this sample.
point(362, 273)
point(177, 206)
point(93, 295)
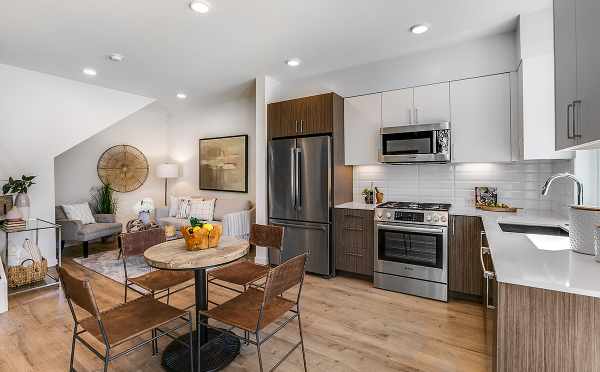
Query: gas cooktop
point(416, 206)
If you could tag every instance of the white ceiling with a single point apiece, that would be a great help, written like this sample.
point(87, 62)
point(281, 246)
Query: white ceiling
point(169, 48)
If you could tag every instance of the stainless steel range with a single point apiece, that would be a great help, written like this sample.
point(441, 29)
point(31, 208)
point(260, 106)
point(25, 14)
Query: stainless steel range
point(411, 248)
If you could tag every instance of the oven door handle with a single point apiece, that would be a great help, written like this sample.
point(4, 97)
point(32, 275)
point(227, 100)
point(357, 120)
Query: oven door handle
point(410, 229)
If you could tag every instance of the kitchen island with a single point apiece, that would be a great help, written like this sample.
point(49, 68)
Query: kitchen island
point(547, 302)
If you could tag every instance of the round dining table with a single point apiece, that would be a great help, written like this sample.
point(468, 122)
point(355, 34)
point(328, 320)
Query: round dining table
point(213, 350)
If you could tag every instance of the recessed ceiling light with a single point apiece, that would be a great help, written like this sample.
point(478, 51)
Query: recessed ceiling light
point(419, 29)
point(181, 95)
point(293, 62)
point(199, 6)
point(89, 71)
point(116, 57)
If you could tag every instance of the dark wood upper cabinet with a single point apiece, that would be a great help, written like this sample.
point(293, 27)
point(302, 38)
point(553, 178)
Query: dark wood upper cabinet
point(354, 240)
point(464, 263)
point(302, 116)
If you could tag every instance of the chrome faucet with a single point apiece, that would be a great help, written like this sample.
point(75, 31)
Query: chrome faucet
point(549, 181)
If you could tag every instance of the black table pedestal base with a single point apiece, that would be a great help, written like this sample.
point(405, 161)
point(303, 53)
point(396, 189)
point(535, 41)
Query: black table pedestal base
point(220, 350)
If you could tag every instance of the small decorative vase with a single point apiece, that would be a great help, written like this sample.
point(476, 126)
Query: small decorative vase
point(368, 199)
point(23, 203)
point(144, 217)
point(379, 197)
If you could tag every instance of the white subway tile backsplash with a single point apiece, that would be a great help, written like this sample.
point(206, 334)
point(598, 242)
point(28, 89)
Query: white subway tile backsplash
point(519, 183)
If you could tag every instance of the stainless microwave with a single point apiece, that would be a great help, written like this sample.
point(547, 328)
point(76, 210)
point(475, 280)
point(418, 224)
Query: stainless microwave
point(426, 143)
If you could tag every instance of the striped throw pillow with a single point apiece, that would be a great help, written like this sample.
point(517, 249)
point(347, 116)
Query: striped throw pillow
point(203, 209)
point(183, 208)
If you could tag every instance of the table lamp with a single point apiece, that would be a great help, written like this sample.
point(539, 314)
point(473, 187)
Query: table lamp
point(166, 171)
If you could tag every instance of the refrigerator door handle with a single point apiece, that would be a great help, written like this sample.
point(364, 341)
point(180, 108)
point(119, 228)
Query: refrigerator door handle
point(293, 177)
point(298, 178)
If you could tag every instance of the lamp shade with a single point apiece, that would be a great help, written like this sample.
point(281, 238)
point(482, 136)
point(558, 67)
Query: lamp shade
point(167, 170)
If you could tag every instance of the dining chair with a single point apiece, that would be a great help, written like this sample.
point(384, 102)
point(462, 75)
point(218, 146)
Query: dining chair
point(120, 324)
point(256, 309)
point(245, 273)
point(157, 282)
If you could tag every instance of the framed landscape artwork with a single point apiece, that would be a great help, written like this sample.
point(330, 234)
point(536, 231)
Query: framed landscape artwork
point(224, 163)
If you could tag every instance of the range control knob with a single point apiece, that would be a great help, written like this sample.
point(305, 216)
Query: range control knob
point(428, 218)
point(444, 218)
point(388, 215)
point(379, 214)
point(436, 218)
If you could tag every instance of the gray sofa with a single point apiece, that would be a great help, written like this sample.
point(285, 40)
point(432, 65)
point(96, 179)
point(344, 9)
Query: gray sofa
point(228, 213)
point(75, 231)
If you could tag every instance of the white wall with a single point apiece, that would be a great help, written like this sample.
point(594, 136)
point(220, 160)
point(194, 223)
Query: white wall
point(474, 58)
point(196, 120)
point(41, 116)
point(75, 169)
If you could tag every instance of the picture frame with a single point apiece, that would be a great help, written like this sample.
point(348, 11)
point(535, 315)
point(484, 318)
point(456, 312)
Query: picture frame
point(223, 163)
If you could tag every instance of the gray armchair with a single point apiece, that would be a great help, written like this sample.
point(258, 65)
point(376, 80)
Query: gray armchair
point(73, 230)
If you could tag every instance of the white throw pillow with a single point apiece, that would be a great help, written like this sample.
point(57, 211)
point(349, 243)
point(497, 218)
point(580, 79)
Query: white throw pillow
point(203, 209)
point(80, 212)
point(183, 208)
point(174, 204)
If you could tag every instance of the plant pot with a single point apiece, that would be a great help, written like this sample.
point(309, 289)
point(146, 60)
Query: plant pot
point(368, 199)
point(23, 203)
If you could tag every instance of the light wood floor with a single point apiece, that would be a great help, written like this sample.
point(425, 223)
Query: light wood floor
point(348, 326)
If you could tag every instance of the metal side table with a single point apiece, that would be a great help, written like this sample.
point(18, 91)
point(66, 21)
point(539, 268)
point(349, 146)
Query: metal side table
point(36, 225)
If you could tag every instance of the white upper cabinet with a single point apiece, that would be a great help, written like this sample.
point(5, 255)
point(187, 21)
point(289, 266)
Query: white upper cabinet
point(397, 107)
point(534, 126)
point(577, 64)
point(481, 119)
point(432, 103)
point(362, 121)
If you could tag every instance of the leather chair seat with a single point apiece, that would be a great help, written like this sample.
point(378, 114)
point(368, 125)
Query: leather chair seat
point(240, 273)
point(131, 319)
point(162, 279)
point(243, 311)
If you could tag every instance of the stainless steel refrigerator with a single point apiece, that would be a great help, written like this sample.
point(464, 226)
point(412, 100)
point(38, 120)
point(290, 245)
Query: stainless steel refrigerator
point(300, 179)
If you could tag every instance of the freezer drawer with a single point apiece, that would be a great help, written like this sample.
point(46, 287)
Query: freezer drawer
point(310, 238)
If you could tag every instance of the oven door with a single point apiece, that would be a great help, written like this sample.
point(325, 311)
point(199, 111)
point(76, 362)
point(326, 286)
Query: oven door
point(413, 251)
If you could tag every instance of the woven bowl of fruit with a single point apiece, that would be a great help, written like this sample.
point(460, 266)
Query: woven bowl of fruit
point(200, 235)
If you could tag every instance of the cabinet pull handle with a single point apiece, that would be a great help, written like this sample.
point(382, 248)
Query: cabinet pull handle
point(487, 275)
point(301, 126)
point(576, 122)
point(416, 115)
point(296, 126)
point(569, 107)
point(410, 116)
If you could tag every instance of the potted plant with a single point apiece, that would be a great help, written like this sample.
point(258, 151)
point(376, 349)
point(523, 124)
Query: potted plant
point(367, 194)
point(20, 187)
point(104, 201)
point(144, 208)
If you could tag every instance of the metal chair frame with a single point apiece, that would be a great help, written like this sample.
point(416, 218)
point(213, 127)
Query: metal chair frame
point(107, 357)
point(259, 340)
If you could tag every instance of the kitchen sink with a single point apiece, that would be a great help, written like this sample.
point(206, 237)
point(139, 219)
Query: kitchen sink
point(531, 229)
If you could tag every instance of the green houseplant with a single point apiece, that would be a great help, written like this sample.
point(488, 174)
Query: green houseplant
point(104, 200)
point(20, 187)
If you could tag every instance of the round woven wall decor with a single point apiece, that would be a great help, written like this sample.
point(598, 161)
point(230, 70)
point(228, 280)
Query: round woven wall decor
point(123, 167)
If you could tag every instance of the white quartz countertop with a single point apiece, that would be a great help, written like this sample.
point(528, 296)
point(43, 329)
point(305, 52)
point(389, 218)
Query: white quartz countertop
point(539, 261)
point(356, 205)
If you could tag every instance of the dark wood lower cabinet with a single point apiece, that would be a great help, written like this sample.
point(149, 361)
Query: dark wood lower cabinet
point(464, 263)
point(354, 240)
point(544, 330)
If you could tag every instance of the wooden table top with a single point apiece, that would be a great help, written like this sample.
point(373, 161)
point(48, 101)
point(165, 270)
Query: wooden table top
point(173, 255)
